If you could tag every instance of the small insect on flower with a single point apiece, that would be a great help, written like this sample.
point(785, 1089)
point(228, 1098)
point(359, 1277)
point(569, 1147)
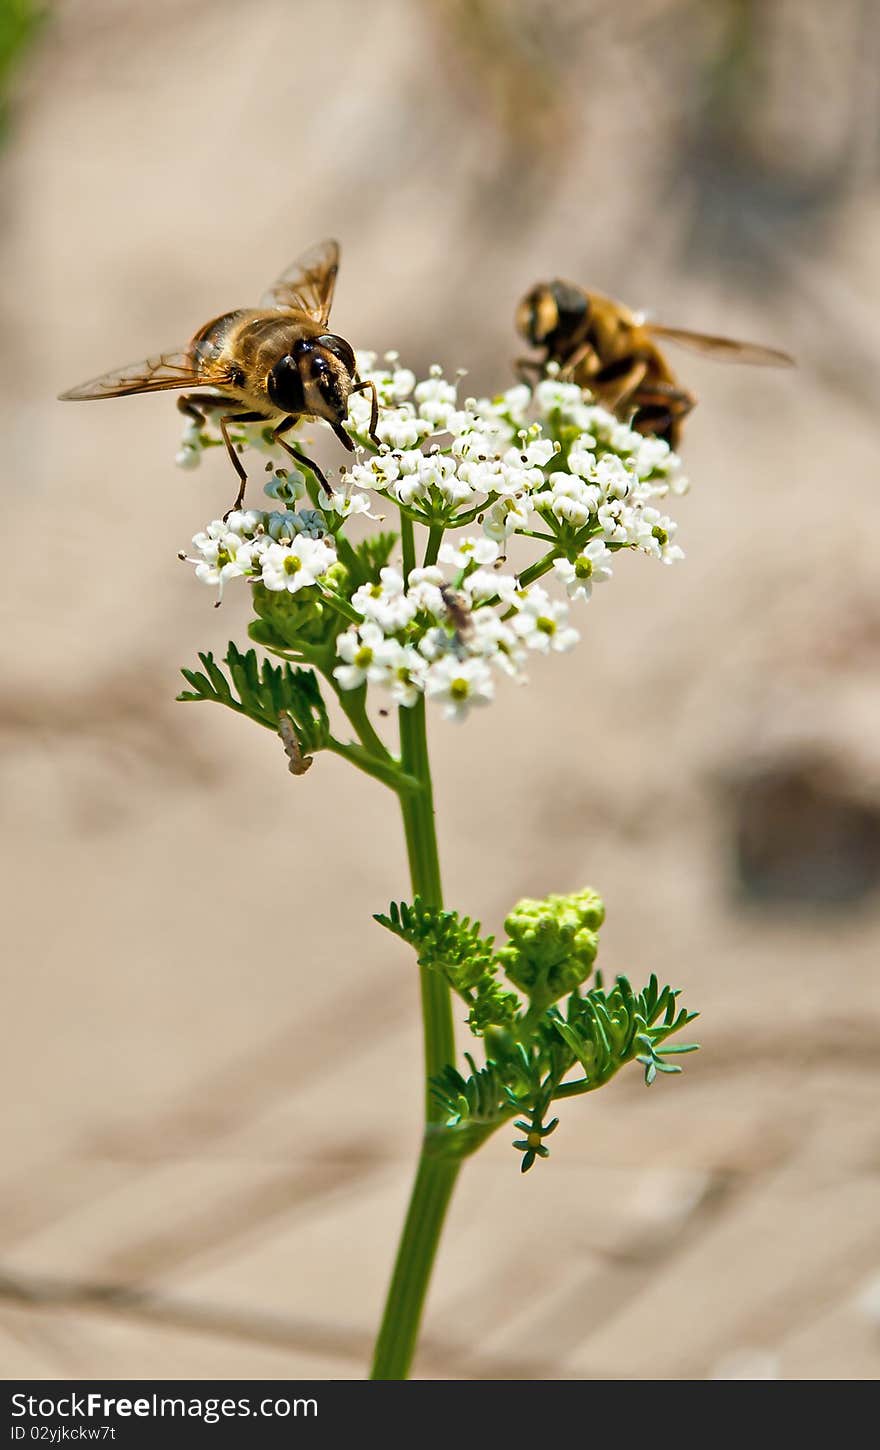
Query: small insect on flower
point(459, 611)
point(603, 347)
point(274, 364)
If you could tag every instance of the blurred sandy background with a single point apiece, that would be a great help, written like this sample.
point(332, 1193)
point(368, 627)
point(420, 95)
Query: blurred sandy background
point(210, 1051)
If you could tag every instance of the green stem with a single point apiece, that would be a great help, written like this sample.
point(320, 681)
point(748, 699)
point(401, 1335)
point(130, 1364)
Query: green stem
point(389, 774)
point(538, 570)
point(424, 869)
point(407, 544)
point(432, 1190)
point(435, 539)
point(354, 707)
point(436, 1175)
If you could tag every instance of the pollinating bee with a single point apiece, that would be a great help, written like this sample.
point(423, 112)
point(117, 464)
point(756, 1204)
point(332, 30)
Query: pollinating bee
point(273, 364)
point(611, 352)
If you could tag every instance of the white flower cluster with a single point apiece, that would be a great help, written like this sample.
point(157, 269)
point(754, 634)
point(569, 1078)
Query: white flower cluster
point(283, 550)
point(543, 452)
point(542, 463)
point(442, 637)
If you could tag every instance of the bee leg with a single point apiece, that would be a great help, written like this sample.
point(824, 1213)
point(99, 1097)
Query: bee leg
point(195, 405)
point(660, 411)
point(580, 355)
point(374, 410)
point(616, 385)
point(230, 449)
point(294, 453)
point(528, 370)
point(343, 436)
point(187, 406)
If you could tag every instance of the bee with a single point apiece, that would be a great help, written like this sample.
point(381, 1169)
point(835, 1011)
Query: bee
point(275, 364)
point(608, 350)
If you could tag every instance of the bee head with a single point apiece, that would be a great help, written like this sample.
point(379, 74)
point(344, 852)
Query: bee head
point(552, 315)
point(314, 379)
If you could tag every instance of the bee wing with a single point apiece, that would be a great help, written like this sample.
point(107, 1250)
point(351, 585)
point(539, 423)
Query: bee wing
point(724, 349)
point(152, 375)
point(308, 284)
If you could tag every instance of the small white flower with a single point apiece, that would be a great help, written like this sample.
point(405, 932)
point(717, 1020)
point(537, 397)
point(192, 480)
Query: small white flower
point(473, 446)
point(616, 520)
point(245, 522)
point(403, 671)
point(378, 472)
point(530, 456)
point(486, 584)
point(423, 588)
point(385, 602)
point(436, 401)
point(348, 502)
point(483, 477)
point(358, 648)
point(542, 623)
point(569, 499)
point(468, 551)
point(494, 639)
point(518, 473)
point(459, 684)
point(288, 486)
point(505, 516)
point(436, 642)
point(400, 428)
point(223, 555)
point(582, 457)
point(402, 383)
point(591, 567)
point(613, 477)
point(296, 565)
point(552, 395)
point(653, 456)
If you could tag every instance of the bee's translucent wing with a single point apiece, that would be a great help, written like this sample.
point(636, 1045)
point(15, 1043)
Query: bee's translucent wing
point(307, 285)
point(724, 349)
point(152, 375)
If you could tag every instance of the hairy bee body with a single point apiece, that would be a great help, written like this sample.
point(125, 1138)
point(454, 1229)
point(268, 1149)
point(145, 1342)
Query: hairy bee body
point(246, 345)
point(611, 352)
point(276, 363)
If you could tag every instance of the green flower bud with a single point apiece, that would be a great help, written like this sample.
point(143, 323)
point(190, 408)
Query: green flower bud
point(337, 579)
point(301, 618)
point(553, 944)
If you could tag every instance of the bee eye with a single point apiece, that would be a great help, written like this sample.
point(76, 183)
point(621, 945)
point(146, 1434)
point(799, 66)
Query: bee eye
point(340, 349)
point(284, 386)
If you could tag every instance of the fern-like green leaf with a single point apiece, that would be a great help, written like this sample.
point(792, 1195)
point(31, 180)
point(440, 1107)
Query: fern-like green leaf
point(272, 695)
